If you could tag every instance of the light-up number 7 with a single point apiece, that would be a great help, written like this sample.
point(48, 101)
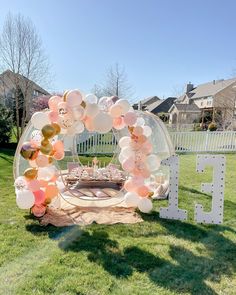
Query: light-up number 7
point(216, 188)
point(173, 211)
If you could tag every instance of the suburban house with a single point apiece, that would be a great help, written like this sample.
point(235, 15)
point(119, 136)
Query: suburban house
point(28, 88)
point(216, 98)
point(155, 105)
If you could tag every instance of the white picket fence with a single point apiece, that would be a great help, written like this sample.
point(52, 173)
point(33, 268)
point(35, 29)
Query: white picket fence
point(204, 141)
point(187, 142)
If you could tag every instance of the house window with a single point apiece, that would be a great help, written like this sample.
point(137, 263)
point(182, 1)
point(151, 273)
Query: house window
point(209, 101)
point(201, 103)
point(36, 93)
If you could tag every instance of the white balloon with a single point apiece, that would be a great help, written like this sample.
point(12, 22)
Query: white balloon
point(124, 141)
point(77, 112)
point(79, 127)
point(102, 123)
point(91, 98)
point(40, 119)
point(127, 152)
point(145, 205)
point(20, 183)
point(132, 199)
point(74, 98)
point(121, 158)
point(46, 173)
point(140, 121)
point(91, 110)
point(125, 105)
point(105, 103)
point(147, 131)
point(153, 162)
point(25, 199)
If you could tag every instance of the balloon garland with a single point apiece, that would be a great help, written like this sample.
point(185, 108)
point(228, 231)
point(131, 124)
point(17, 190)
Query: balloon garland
point(71, 114)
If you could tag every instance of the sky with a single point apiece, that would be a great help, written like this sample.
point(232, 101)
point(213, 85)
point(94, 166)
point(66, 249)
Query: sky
point(161, 44)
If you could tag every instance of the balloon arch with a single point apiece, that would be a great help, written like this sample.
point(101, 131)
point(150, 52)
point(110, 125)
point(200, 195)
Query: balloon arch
point(48, 170)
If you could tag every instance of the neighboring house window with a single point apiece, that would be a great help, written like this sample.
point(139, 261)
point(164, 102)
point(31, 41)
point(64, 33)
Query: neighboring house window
point(201, 103)
point(209, 101)
point(36, 93)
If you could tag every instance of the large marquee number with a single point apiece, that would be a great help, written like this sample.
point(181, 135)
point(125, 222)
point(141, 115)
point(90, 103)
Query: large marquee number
point(216, 188)
point(173, 211)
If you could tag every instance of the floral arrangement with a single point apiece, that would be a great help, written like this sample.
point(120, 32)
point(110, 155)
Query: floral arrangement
point(70, 114)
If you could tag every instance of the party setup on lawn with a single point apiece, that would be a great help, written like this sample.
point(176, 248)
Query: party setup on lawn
point(53, 183)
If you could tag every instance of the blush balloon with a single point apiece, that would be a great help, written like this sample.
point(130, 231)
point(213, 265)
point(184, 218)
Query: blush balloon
point(130, 118)
point(53, 116)
point(143, 191)
point(39, 197)
point(115, 111)
point(128, 164)
point(118, 123)
point(138, 130)
point(53, 102)
point(74, 98)
point(51, 191)
point(42, 161)
point(34, 185)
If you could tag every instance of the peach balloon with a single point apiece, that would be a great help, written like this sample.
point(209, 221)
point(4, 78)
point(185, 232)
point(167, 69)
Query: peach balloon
point(39, 197)
point(43, 183)
point(38, 210)
point(143, 191)
point(89, 124)
point(129, 186)
point(59, 155)
point(34, 185)
point(42, 161)
point(130, 118)
point(58, 146)
point(118, 123)
point(51, 191)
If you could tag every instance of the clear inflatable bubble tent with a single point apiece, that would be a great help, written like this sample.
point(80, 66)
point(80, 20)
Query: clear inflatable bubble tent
point(95, 145)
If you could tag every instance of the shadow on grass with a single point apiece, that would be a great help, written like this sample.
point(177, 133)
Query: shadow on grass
point(188, 273)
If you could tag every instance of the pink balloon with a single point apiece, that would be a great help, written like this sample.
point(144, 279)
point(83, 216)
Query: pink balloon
point(138, 130)
point(58, 155)
point(128, 164)
point(138, 180)
point(53, 116)
point(88, 122)
point(39, 197)
point(53, 102)
point(34, 185)
point(143, 191)
point(130, 118)
point(74, 98)
point(38, 210)
point(42, 161)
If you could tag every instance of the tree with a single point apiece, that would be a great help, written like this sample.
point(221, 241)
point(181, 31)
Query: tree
point(40, 103)
point(21, 52)
point(5, 124)
point(116, 83)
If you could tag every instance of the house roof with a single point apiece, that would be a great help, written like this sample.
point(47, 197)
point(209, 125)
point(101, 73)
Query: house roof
point(207, 89)
point(185, 107)
point(163, 106)
point(150, 100)
point(9, 75)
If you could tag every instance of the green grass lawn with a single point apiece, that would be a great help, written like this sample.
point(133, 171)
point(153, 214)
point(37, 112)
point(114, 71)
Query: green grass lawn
point(155, 257)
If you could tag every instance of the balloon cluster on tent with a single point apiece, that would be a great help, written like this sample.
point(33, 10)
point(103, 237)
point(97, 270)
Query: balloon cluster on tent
point(70, 115)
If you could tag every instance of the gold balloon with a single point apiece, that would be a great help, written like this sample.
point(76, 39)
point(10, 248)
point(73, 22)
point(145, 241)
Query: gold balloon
point(56, 127)
point(48, 131)
point(83, 104)
point(45, 142)
point(50, 160)
point(29, 151)
point(47, 149)
point(31, 173)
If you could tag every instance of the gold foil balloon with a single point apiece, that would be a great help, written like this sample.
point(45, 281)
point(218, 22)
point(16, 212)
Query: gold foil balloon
point(45, 142)
point(29, 151)
point(56, 127)
point(48, 131)
point(47, 149)
point(31, 173)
